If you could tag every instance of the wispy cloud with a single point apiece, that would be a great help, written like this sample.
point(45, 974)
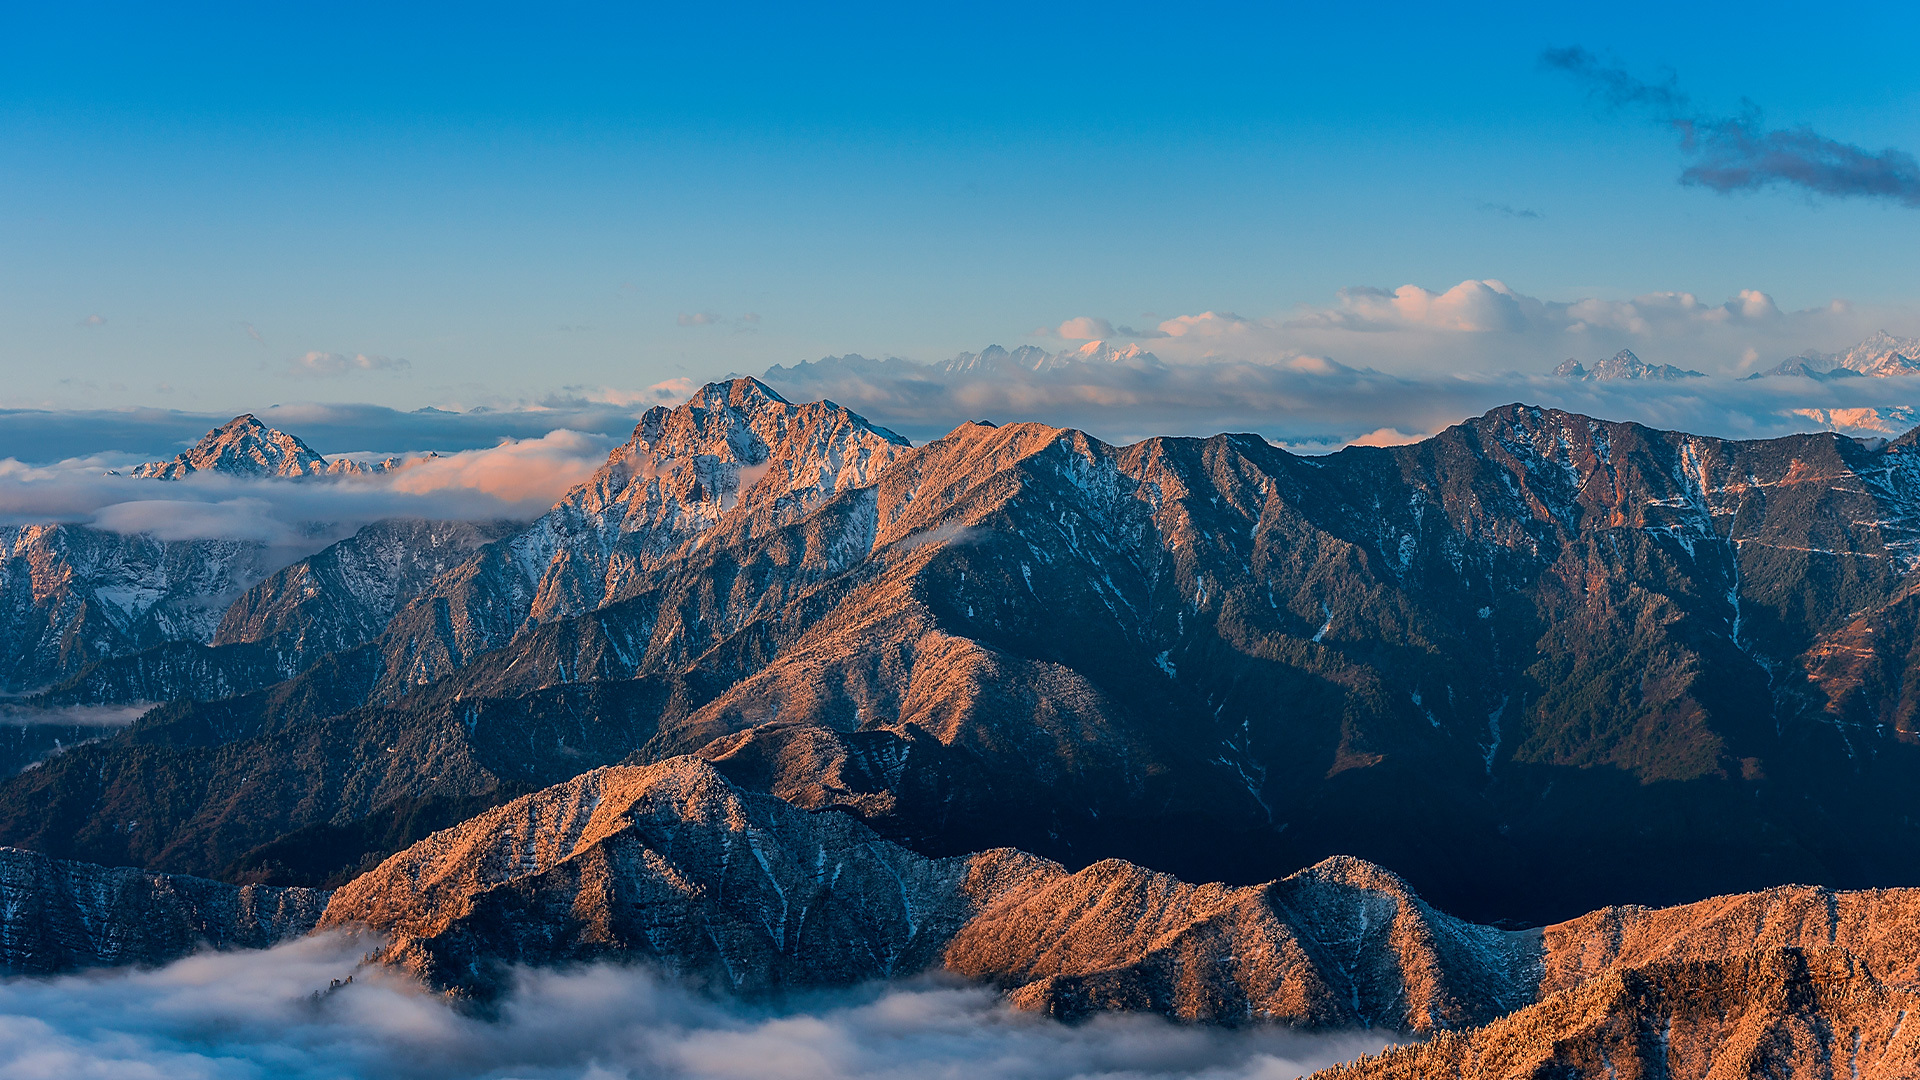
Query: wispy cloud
point(517, 478)
point(1739, 152)
point(94, 320)
point(251, 1014)
point(1506, 210)
point(743, 323)
point(331, 364)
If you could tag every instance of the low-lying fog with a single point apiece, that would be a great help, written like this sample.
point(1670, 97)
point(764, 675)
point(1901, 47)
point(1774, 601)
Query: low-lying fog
point(256, 1014)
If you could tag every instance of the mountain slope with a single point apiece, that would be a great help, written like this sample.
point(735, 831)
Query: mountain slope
point(56, 916)
point(1536, 664)
point(71, 595)
point(1775, 1014)
point(749, 894)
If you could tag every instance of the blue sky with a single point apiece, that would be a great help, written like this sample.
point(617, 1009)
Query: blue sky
point(218, 208)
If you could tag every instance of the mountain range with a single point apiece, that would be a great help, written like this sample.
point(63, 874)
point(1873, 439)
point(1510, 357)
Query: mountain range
point(1622, 365)
point(1537, 667)
point(1879, 356)
point(747, 895)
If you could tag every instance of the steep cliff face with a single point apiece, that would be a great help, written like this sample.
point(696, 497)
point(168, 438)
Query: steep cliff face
point(56, 916)
point(72, 595)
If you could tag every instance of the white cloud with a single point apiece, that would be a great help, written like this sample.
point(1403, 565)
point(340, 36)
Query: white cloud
point(1084, 328)
point(1308, 401)
point(746, 323)
point(331, 364)
point(670, 392)
point(234, 1015)
point(517, 478)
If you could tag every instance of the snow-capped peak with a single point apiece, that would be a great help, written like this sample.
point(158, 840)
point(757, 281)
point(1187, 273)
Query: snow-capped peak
point(242, 446)
point(1621, 365)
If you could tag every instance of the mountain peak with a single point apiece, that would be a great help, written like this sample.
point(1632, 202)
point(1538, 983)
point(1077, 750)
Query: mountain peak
point(1880, 355)
point(243, 446)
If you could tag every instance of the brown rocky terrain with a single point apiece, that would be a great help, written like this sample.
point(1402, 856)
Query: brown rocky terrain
point(1537, 664)
point(673, 864)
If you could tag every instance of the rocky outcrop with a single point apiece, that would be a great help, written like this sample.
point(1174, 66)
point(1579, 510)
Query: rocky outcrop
point(57, 916)
point(243, 446)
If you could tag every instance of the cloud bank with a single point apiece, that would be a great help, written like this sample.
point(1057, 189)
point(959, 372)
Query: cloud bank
point(44, 436)
point(1739, 153)
point(246, 1015)
point(517, 478)
point(333, 364)
point(1312, 403)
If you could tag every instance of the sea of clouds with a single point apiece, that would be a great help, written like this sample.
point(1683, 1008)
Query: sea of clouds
point(227, 1016)
point(514, 478)
point(1313, 404)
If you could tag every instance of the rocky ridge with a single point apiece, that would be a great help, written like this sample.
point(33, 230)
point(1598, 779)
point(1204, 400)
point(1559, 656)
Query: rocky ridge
point(674, 865)
point(736, 451)
point(57, 916)
point(72, 595)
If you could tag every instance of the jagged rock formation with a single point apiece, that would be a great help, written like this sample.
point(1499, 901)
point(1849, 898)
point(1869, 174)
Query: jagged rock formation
point(71, 595)
point(243, 446)
point(1622, 365)
point(1537, 663)
point(56, 916)
point(736, 452)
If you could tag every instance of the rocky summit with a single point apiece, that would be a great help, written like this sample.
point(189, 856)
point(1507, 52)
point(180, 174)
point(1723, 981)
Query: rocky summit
point(243, 446)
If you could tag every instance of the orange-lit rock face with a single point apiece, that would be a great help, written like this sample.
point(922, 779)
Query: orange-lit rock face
point(673, 864)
